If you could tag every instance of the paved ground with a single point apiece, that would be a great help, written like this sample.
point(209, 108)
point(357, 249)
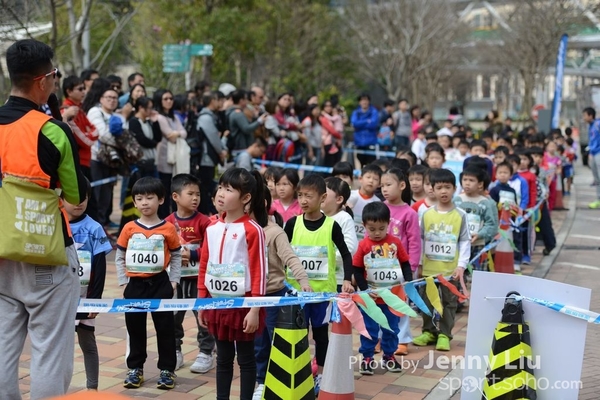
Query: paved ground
point(575, 266)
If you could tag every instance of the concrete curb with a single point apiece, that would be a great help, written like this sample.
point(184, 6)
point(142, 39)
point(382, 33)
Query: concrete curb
point(544, 266)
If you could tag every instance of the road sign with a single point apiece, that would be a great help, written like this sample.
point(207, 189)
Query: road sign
point(201, 50)
point(176, 57)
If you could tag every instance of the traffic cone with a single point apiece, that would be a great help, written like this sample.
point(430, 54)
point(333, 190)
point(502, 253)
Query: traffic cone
point(504, 257)
point(510, 373)
point(289, 374)
point(337, 382)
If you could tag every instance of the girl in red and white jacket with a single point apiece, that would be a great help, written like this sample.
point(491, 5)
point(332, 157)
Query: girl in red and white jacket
point(232, 264)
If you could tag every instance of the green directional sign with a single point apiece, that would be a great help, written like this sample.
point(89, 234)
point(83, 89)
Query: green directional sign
point(201, 50)
point(176, 57)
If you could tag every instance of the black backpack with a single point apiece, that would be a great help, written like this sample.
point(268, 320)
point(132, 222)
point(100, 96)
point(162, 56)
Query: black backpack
point(196, 138)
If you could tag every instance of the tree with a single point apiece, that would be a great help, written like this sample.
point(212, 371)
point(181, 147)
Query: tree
point(403, 44)
point(530, 44)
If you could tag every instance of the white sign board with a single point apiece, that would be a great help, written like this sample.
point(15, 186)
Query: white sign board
point(557, 340)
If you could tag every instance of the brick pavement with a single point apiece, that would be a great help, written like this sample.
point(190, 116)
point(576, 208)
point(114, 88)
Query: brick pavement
point(414, 383)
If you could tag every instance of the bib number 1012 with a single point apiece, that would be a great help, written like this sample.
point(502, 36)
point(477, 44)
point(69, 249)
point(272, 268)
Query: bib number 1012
point(440, 248)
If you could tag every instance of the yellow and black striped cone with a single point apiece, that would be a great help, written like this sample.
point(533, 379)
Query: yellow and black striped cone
point(289, 373)
point(510, 373)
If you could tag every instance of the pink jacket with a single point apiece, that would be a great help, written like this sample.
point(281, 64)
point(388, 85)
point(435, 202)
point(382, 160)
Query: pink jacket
point(293, 210)
point(404, 224)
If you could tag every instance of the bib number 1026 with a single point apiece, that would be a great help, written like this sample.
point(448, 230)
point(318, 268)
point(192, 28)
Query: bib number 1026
point(440, 248)
point(144, 258)
point(222, 286)
point(312, 265)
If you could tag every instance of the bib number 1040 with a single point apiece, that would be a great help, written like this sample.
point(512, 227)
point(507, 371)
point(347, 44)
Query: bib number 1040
point(144, 258)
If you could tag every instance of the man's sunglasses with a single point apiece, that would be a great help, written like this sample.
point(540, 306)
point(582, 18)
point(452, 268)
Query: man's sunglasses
point(54, 72)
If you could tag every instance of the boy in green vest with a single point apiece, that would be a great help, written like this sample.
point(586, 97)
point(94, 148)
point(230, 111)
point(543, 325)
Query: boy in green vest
point(446, 251)
point(314, 238)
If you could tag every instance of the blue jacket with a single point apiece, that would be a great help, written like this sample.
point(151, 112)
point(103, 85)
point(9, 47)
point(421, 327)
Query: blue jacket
point(594, 137)
point(366, 126)
point(521, 186)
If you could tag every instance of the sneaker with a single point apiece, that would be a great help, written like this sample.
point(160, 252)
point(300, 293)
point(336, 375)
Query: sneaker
point(526, 260)
point(135, 378)
point(318, 379)
point(258, 392)
point(203, 364)
point(594, 204)
point(391, 364)
point(378, 347)
point(402, 350)
point(365, 366)
point(443, 343)
point(517, 268)
point(424, 339)
point(547, 251)
point(166, 380)
point(179, 356)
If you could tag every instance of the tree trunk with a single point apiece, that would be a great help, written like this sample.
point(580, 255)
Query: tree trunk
point(238, 70)
point(207, 64)
point(54, 31)
point(528, 84)
point(76, 53)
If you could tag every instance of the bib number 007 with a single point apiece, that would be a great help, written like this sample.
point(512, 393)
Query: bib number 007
point(440, 248)
point(141, 258)
point(224, 286)
point(312, 265)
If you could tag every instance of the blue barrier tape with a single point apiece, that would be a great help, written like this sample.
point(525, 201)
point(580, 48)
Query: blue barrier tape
point(220, 303)
point(104, 181)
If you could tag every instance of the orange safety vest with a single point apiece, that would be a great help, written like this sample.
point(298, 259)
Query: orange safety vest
point(19, 152)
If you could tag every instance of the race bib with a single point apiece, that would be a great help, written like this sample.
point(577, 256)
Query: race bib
point(359, 228)
point(437, 251)
point(225, 280)
point(314, 260)
point(85, 267)
point(145, 255)
point(192, 268)
point(383, 272)
point(474, 223)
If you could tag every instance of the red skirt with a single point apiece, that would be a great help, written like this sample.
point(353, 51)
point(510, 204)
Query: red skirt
point(228, 324)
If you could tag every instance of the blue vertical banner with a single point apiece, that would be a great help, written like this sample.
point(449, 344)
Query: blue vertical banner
point(558, 86)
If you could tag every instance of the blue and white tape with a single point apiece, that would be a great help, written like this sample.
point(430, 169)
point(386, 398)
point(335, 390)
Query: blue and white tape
point(103, 181)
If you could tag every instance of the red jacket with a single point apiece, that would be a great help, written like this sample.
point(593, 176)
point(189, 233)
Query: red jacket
point(531, 181)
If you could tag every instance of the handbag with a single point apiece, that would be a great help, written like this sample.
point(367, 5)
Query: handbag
point(32, 223)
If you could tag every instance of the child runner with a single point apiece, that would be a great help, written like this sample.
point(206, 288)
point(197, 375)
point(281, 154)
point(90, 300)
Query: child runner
point(145, 249)
point(482, 213)
point(430, 200)
point(190, 225)
point(92, 247)
point(370, 177)
point(404, 225)
point(279, 253)
point(479, 150)
point(334, 206)
point(434, 156)
point(314, 237)
point(446, 250)
point(545, 224)
point(272, 175)
point(521, 186)
point(416, 176)
point(524, 170)
point(232, 264)
point(344, 171)
point(380, 262)
point(287, 203)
